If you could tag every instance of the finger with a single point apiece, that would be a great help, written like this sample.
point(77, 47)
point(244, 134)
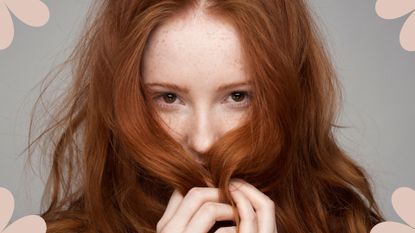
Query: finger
point(249, 222)
point(193, 200)
point(207, 215)
point(171, 208)
point(226, 230)
point(263, 205)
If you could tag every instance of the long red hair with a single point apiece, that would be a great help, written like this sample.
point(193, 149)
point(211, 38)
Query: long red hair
point(113, 167)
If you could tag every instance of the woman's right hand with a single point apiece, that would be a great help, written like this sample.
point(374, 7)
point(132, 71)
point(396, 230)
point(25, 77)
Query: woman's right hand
point(200, 209)
point(196, 212)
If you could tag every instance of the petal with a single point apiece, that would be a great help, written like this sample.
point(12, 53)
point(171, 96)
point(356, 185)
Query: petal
point(30, 223)
point(7, 206)
point(403, 201)
point(407, 38)
point(6, 29)
point(392, 9)
point(391, 227)
point(31, 12)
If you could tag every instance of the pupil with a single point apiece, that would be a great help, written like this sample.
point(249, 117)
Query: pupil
point(170, 98)
point(237, 96)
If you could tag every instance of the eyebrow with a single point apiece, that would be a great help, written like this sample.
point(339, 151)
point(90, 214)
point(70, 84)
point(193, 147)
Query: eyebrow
point(186, 90)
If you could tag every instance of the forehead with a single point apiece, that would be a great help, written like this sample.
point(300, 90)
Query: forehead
point(194, 45)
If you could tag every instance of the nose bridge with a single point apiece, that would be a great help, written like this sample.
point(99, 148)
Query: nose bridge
point(202, 130)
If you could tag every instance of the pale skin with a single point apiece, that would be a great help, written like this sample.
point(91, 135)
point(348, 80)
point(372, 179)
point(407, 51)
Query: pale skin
point(199, 209)
point(194, 68)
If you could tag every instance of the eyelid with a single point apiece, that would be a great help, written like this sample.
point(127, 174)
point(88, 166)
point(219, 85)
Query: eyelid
point(247, 98)
point(158, 96)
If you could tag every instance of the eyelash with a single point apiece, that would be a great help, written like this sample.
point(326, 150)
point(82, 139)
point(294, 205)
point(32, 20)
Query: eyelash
point(246, 100)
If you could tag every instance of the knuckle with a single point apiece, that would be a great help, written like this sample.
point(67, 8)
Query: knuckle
point(195, 193)
point(195, 197)
point(270, 204)
point(251, 217)
point(209, 208)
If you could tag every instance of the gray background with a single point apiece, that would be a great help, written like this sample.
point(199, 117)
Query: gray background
point(376, 73)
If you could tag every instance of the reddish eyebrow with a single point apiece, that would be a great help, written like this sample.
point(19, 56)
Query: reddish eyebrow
point(186, 90)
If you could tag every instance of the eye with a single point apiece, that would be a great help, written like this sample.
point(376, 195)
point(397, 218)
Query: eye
point(240, 98)
point(166, 100)
point(169, 97)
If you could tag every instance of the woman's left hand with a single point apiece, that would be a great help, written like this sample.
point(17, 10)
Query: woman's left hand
point(256, 210)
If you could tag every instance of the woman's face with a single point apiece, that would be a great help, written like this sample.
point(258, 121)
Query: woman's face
point(194, 71)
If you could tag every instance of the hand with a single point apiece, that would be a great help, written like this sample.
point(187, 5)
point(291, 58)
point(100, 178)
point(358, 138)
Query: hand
point(200, 209)
point(256, 210)
point(197, 212)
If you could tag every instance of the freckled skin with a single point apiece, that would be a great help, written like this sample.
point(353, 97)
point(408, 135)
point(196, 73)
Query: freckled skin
point(200, 52)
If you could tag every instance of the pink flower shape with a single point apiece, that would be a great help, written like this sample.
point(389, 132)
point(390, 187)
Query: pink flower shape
point(403, 201)
point(31, 12)
point(30, 223)
point(392, 9)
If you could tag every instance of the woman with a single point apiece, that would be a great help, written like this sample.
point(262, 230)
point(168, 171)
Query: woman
point(197, 116)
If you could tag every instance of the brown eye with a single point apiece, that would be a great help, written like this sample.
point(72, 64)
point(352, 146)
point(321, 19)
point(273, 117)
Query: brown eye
point(169, 98)
point(238, 96)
